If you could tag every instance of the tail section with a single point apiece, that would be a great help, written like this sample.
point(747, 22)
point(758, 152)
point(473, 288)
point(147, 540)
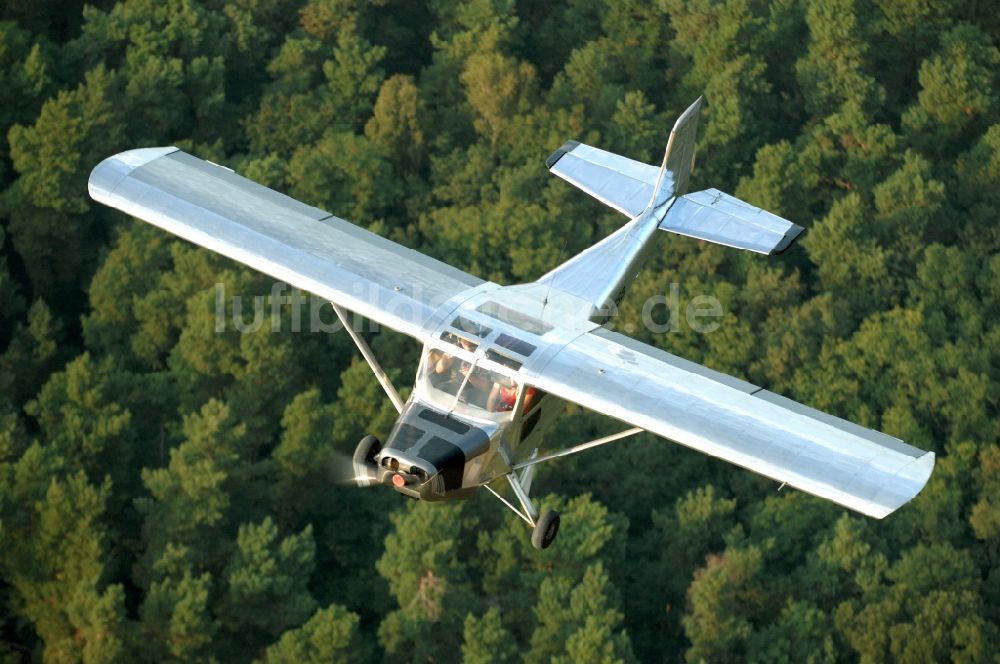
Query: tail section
point(627, 185)
point(655, 198)
point(632, 187)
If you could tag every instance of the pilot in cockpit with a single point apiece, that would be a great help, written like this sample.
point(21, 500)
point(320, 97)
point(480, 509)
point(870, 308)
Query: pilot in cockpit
point(443, 367)
point(482, 388)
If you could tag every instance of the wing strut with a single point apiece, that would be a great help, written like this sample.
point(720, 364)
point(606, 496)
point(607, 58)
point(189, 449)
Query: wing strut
point(376, 368)
point(579, 448)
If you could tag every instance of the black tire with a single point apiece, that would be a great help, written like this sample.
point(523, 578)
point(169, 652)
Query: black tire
point(365, 470)
point(546, 529)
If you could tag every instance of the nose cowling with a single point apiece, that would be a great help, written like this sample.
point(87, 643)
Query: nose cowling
point(414, 478)
point(426, 452)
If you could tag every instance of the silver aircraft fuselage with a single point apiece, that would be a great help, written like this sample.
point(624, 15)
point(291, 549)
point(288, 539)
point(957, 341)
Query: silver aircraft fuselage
point(446, 442)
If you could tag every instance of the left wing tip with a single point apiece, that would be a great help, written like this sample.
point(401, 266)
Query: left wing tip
point(558, 154)
point(107, 175)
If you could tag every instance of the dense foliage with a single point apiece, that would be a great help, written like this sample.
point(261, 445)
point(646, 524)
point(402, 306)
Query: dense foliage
point(165, 491)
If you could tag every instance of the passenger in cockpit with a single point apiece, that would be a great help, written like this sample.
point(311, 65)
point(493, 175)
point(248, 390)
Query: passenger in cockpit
point(445, 372)
point(503, 396)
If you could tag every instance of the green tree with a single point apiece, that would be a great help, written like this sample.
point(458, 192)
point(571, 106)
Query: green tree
point(34, 350)
point(395, 125)
point(58, 575)
point(46, 205)
point(94, 416)
point(726, 599)
point(424, 564)
point(835, 68)
point(346, 174)
point(135, 266)
point(958, 92)
point(25, 80)
point(187, 510)
point(850, 260)
point(486, 641)
point(330, 635)
point(175, 621)
point(497, 89)
point(266, 579)
point(579, 623)
point(801, 634)
point(928, 586)
point(975, 194)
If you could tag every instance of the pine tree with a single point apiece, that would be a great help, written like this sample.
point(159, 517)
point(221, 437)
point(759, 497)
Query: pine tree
point(579, 623)
point(330, 635)
point(957, 98)
point(425, 565)
point(486, 641)
point(266, 579)
point(57, 570)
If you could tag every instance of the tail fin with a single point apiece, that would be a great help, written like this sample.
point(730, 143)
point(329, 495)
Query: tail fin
point(627, 185)
point(678, 160)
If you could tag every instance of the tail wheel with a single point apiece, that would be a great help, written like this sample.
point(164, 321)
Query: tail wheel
point(365, 469)
point(546, 529)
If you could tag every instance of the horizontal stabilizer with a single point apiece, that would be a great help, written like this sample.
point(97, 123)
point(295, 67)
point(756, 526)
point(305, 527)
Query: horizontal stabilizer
point(723, 219)
point(619, 182)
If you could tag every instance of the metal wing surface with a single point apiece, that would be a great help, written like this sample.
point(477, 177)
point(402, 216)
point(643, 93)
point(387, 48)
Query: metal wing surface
point(619, 182)
point(308, 248)
point(717, 217)
point(731, 419)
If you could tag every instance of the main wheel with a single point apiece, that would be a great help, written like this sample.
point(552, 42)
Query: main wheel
point(546, 529)
point(365, 470)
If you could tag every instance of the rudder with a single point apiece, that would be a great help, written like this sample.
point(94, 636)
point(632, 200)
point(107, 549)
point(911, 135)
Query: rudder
point(678, 159)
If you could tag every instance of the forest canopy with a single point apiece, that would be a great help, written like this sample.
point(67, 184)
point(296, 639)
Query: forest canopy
point(165, 491)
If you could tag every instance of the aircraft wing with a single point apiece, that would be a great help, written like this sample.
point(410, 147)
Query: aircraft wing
point(304, 246)
point(724, 417)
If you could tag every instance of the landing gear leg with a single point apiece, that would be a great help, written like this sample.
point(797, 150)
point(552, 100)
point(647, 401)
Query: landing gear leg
point(544, 527)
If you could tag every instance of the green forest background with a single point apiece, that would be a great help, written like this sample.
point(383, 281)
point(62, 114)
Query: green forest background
point(165, 491)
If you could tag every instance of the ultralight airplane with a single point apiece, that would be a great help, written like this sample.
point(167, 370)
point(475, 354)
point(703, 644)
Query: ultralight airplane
point(499, 362)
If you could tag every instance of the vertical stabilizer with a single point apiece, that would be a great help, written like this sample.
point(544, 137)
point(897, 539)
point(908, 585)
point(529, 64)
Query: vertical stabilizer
point(679, 157)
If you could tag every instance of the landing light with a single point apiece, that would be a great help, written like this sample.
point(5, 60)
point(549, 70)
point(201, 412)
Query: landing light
point(398, 480)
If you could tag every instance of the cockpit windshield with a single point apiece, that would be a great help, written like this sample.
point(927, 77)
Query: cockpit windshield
point(456, 383)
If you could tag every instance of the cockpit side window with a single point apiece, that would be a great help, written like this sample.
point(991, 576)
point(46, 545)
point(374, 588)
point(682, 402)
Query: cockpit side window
point(443, 371)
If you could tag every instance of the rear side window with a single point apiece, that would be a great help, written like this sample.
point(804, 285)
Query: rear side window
point(500, 358)
point(454, 339)
point(517, 345)
point(472, 327)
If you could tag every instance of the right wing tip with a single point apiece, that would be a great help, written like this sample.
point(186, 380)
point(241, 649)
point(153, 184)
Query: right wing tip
point(788, 240)
point(918, 472)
